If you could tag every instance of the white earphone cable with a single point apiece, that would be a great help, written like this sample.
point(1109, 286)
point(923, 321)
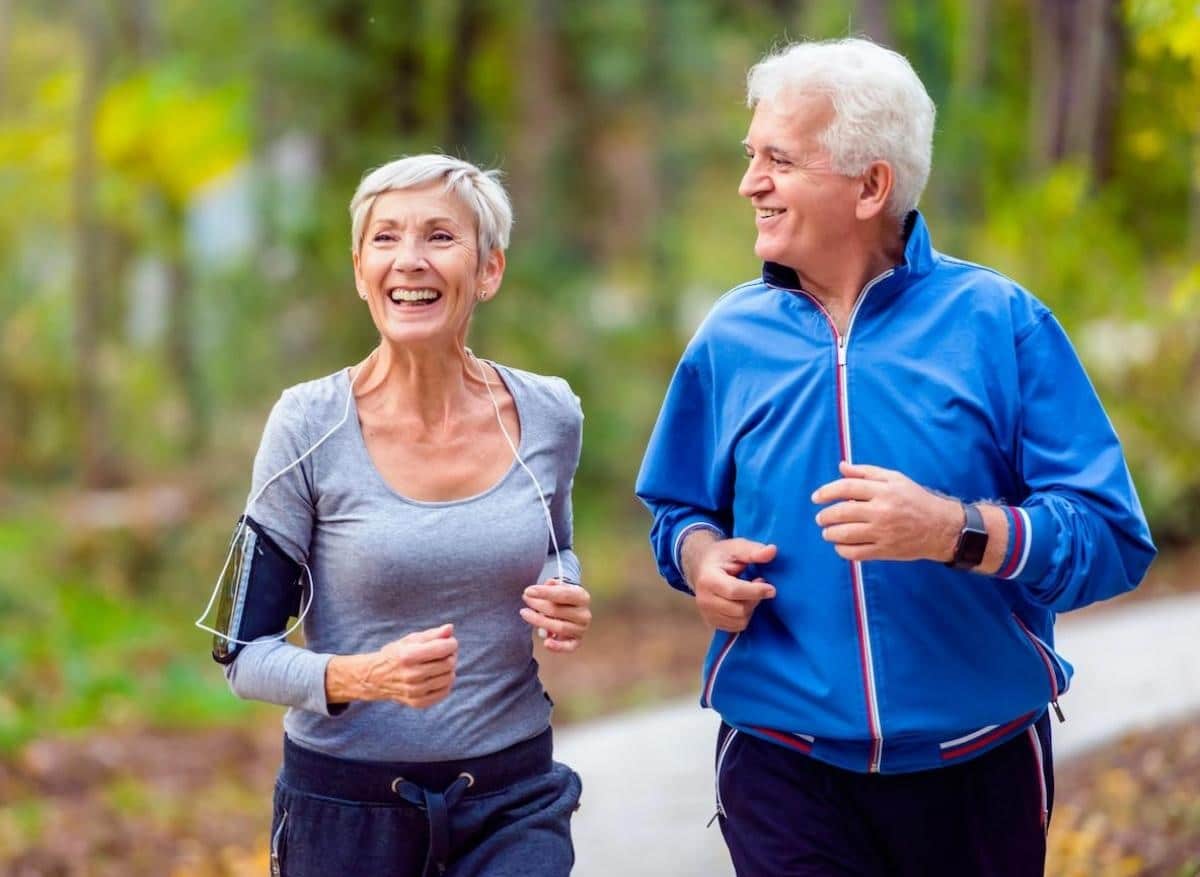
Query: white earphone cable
point(237, 535)
point(517, 455)
point(241, 528)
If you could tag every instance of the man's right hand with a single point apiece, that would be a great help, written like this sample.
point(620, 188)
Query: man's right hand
point(711, 567)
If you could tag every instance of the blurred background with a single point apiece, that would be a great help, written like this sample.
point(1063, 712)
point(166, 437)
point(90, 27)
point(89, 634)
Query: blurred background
point(174, 251)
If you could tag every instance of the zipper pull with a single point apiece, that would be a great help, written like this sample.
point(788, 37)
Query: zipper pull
point(1058, 711)
point(841, 345)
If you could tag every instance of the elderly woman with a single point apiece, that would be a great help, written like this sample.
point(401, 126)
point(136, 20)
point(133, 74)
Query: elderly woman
point(426, 496)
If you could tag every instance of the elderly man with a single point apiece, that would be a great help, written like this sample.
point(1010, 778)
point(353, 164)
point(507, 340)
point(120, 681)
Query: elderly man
point(881, 471)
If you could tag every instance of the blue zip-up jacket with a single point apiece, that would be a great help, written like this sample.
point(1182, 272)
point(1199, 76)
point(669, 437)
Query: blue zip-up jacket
point(960, 379)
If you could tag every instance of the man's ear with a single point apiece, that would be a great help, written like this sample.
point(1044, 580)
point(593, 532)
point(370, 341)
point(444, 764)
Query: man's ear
point(877, 184)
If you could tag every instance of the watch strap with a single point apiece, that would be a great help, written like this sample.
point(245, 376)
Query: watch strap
point(972, 539)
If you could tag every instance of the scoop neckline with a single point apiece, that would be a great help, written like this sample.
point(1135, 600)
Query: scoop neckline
point(361, 443)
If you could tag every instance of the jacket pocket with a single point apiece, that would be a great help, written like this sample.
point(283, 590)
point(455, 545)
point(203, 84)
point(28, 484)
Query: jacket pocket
point(1057, 679)
point(710, 683)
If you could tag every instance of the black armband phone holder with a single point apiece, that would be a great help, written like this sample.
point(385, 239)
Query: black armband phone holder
point(259, 592)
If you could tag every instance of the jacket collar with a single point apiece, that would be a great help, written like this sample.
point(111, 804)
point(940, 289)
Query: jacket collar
point(919, 257)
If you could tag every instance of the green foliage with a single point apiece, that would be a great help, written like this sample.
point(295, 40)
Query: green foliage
point(84, 645)
point(618, 124)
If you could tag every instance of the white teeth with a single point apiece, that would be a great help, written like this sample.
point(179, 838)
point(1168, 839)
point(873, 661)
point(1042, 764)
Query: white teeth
point(414, 294)
point(768, 212)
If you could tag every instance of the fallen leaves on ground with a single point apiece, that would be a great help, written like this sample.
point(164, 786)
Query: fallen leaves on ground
point(1130, 808)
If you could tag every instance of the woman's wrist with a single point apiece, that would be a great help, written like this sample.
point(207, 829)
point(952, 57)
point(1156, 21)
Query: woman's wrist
point(343, 679)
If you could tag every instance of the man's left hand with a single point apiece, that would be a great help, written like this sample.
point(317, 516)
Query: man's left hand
point(881, 514)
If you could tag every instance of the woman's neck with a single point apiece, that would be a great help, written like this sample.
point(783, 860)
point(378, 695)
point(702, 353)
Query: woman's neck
point(429, 389)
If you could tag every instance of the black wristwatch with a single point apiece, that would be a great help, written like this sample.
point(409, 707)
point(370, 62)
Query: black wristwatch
point(972, 540)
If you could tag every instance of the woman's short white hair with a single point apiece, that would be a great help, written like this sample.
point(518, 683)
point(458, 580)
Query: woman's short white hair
point(882, 111)
point(480, 190)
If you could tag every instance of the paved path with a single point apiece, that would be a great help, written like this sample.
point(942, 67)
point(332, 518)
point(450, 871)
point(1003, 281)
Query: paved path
point(648, 776)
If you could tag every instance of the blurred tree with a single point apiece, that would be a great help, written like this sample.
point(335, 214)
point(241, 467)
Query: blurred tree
point(1077, 56)
point(873, 19)
point(5, 56)
point(472, 22)
point(91, 282)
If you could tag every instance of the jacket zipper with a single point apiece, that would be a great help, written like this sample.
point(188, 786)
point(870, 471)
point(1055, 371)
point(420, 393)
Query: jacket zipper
point(706, 698)
point(860, 598)
point(1049, 662)
point(720, 762)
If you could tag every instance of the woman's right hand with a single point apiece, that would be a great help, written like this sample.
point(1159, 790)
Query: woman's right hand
point(416, 670)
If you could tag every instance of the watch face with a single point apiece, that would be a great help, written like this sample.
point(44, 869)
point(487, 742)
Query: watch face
point(971, 548)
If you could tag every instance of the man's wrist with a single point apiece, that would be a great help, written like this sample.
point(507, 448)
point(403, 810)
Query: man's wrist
point(692, 546)
point(995, 520)
point(951, 524)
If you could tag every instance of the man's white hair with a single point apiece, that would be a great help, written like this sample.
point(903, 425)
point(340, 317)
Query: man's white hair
point(881, 108)
point(480, 190)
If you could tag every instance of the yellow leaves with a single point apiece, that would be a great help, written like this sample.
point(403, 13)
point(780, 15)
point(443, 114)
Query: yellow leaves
point(1065, 190)
point(1184, 297)
point(1129, 808)
point(1082, 845)
point(160, 129)
point(1166, 27)
point(229, 862)
point(1147, 144)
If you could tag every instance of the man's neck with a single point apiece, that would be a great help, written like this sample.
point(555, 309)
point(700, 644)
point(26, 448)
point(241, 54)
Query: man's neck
point(839, 283)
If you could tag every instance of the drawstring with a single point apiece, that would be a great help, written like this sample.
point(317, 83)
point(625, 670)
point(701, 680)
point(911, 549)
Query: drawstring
point(437, 813)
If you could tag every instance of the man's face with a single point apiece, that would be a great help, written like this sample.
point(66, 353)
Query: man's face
point(804, 210)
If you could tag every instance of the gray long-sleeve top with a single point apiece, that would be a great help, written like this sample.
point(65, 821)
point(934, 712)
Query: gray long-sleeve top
point(384, 566)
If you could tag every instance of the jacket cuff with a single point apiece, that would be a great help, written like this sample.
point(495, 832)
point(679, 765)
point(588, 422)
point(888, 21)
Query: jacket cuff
point(1031, 537)
point(686, 527)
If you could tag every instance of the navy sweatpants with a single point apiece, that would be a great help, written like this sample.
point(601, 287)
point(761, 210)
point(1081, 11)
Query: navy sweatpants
point(785, 814)
point(501, 815)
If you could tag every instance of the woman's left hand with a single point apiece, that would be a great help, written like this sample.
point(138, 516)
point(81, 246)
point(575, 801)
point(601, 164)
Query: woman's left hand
point(560, 610)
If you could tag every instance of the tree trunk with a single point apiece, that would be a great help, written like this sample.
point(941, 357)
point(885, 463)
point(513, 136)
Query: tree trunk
point(970, 69)
point(872, 19)
point(1077, 56)
point(89, 279)
point(181, 349)
point(1194, 202)
point(461, 124)
point(541, 118)
point(5, 39)
point(409, 67)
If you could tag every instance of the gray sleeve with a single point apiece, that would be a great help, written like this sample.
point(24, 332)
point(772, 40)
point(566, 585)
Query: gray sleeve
point(566, 460)
point(271, 669)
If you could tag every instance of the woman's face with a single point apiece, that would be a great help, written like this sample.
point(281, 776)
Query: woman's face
point(418, 266)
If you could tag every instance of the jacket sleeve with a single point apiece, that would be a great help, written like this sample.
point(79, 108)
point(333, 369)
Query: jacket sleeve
point(686, 479)
point(1079, 535)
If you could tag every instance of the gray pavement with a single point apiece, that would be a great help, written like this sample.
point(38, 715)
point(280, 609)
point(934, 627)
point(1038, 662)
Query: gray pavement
point(647, 776)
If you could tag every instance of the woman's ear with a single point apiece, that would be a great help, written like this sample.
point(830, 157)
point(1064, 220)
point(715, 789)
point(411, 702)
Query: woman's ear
point(877, 184)
point(491, 274)
point(359, 284)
